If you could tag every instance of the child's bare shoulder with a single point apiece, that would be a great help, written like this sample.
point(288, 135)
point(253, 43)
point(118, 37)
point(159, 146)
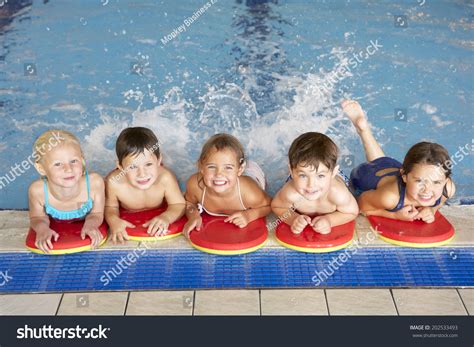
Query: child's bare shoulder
point(192, 185)
point(388, 195)
point(248, 183)
point(95, 178)
point(114, 177)
point(36, 188)
point(339, 193)
point(193, 181)
point(252, 192)
point(166, 175)
point(288, 193)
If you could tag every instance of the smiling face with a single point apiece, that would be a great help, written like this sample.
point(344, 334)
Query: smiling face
point(425, 183)
point(220, 170)
point(310, 182)
point(62, 165)
point(141, 170)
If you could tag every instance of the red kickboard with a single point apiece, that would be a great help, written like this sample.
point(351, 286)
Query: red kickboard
point(69, 240)
point(226, 238)
point(416, 232)
point(339, 237)
point(138, 218)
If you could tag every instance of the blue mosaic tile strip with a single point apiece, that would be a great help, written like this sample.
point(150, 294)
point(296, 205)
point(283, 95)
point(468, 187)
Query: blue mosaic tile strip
point(266, 268)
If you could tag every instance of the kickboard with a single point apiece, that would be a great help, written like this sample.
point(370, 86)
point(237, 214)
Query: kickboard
point(310, 241)
point(139, 233)
point(413, 234)
point(69, 240)
point(219, 237)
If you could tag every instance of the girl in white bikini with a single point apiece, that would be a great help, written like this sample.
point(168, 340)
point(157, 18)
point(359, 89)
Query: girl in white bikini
point(226, 184)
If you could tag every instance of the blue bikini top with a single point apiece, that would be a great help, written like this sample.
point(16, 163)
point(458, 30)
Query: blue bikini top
point(80, 213)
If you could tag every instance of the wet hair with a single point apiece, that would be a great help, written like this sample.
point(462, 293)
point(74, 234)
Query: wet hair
point(133, 141)
point(427, 153)
point(220, 142)
point(50, 139)
point(312, 149)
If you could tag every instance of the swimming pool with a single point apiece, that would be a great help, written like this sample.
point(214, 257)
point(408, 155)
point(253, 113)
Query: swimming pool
point(262, 70)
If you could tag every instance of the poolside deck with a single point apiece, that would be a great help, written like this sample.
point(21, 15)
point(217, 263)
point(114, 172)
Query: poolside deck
point(317, 301)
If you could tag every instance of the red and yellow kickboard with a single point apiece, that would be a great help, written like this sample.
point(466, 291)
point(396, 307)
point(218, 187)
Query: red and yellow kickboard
point(224, 238)
point(138, 218)
point(69, 240)
point(413, 234)
point(311, 241)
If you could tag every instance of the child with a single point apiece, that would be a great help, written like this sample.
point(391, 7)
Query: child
point(65, 186)
point(140, 182)
point(413, 190)
point(226, 184)
point(316, 195)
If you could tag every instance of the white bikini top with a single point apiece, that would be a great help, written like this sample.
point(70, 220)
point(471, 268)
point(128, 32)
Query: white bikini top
point(202, 209)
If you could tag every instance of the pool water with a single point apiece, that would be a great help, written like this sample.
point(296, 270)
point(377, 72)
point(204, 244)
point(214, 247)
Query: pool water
point(264, 71)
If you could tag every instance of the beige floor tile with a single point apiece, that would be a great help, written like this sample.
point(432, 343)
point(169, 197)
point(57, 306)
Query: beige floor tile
point(176, 242)
point(366, 236)
point(461, 217)
point(109, 245)
point(163, 303)
point(271, 240)
point(14, 219)
point(356, 302)
point(467, 296)
point(29, 304)
point(442, 302)
point(13, 239)
point(226, 302)
point(293, 302)
point(80, 304)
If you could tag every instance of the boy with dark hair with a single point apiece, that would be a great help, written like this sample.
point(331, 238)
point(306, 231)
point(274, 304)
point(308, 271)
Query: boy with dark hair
point(141, 182)
point(316, 194)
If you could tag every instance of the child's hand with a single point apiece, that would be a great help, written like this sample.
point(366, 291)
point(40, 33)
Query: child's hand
point(300, 223)
point(93, 233)
point(194, 223)
point(239, 219)
point(158, 224)
point(119, 231)
point(43, 240)
point(426, 214)
point(407, 213)
point(321, 224)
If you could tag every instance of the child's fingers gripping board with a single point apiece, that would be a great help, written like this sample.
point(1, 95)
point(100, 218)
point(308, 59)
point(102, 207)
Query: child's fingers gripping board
point(218, 237)
point(413, 234)
point(139, 233)
point(69, 240)
point(311, 241)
